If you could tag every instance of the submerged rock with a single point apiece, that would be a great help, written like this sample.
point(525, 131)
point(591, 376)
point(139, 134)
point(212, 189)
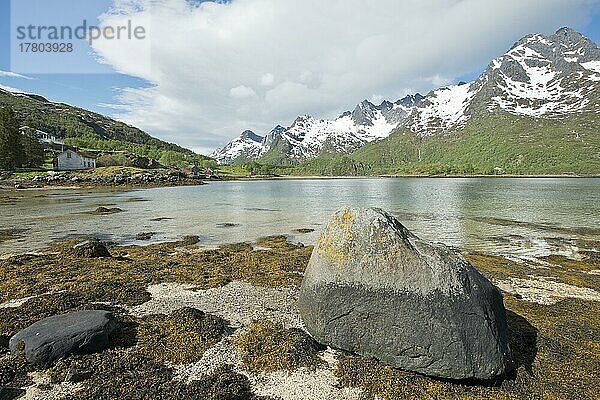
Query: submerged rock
point(305, 230)
point(374, 288)
point(144, 235)
point(61, 335)
point(106, 211)
point(92, 248)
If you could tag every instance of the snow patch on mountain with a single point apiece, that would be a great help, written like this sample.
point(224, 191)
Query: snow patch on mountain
point(309, 135)
point(592, 65)
point(443, 108)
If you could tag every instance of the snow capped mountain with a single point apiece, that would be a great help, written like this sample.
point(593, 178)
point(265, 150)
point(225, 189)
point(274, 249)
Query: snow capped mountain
point(544, 76)
point(540, 77)
point(248, 146)
point(308, 136)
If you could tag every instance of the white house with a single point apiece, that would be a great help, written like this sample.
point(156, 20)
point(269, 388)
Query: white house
point(45, 137)
point(70, 160)
point(42, 137)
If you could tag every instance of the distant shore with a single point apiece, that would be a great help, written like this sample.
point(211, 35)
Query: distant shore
point(125, 178)
point(106, 177)
point(324, 177)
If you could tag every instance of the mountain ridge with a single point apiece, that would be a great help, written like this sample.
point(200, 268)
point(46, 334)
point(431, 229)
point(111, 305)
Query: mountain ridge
point(539, 77)
point(307, 136)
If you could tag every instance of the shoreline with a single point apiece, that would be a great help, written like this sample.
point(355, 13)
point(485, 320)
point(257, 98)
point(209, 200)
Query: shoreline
point(254, 292)
point(128, 183)
point(322, 177)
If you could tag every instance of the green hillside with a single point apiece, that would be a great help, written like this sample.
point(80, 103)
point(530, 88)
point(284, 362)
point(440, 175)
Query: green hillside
point(85, 129)
point(496, 143)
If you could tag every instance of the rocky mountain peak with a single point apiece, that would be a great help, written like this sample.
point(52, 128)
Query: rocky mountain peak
point(273, 135)
point(249, 135)
point(302, 120)
point(278, 129)
point(364, 113)
point(410, 100)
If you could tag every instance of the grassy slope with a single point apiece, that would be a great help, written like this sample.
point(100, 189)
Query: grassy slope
point(82, 128)
point(518, 145)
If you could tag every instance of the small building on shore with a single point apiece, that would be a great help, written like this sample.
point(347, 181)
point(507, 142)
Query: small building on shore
point(209, 173)
point(71, 160)
point(192, 171)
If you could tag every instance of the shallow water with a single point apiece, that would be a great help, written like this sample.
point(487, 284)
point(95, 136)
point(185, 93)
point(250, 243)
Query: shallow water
point(520, 217)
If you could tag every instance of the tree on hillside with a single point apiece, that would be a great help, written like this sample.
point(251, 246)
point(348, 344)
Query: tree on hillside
point(11, 151)
point(33, 152)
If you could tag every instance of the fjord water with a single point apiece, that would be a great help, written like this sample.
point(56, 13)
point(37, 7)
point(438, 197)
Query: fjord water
point(521, 217)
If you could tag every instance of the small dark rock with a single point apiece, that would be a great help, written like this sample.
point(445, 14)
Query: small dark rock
point(3, 343)
point(61, 335)
point(91, 249)
point(145, 235)
point(305, 230)
point(227, 225)
point(106, 211)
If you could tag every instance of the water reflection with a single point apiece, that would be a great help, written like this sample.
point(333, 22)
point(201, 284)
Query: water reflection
point(509, 216)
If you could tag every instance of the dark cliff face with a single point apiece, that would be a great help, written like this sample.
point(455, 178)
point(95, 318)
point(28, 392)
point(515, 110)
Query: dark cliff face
point(251, 136)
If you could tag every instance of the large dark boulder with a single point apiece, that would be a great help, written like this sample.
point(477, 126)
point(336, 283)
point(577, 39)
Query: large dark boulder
point(92, 248)
point(374, 288)
point(58, 336)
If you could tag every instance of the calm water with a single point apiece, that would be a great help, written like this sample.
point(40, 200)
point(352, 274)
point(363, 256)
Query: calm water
point(519, 217)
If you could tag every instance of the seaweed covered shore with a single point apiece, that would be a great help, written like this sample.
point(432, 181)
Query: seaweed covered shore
point(223, 324)
point(102, 177)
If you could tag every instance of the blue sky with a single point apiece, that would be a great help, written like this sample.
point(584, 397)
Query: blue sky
point(210, 127)
point(80, 89)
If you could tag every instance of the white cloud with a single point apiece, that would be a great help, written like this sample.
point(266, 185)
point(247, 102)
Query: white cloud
point(438, 81)
point(267, 79)
point(242, 92)
point(218, 68)
point(8, 74)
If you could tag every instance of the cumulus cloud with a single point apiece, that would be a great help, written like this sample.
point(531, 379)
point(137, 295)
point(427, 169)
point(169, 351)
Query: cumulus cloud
point(242, 92)
point(217, 68)
point(267, 79)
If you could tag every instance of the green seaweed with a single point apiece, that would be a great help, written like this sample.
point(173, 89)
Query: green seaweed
point(267, 347)
point(178, 338)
